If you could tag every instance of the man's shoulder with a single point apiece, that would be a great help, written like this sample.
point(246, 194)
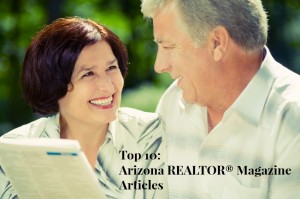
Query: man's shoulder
point(170, 100)
point(283, 103)
point(287, 85)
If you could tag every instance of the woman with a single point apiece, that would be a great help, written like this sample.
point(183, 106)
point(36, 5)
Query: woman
point(74, 70)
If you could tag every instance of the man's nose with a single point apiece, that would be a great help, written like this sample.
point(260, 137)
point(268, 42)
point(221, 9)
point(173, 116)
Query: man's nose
point(161, 63)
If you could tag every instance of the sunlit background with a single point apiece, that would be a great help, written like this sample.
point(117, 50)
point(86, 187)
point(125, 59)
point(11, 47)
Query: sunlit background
point(21, 19)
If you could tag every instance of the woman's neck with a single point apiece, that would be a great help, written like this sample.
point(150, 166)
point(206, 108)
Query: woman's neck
point(89, 137)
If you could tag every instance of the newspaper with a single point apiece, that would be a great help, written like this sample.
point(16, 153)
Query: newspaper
point(41, 168)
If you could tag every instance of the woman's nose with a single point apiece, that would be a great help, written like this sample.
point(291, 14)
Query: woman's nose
point(104, 83)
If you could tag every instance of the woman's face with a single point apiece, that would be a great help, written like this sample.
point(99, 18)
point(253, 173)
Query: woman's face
point(97, 82)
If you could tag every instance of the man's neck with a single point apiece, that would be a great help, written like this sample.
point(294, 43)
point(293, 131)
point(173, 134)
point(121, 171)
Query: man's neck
point(213, 118)
point(239, 71)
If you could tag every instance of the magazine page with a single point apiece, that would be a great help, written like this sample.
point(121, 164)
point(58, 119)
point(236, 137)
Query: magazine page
point(48, 168)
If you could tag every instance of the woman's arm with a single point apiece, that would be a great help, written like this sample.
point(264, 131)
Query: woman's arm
point(6, 189)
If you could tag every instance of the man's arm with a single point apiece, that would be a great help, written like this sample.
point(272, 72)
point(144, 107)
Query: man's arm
point(287, 186)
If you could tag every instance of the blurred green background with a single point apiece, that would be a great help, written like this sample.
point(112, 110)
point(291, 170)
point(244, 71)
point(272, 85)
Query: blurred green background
point(21, 19)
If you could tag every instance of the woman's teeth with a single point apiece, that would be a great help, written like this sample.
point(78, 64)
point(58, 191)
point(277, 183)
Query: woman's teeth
point(102, 102)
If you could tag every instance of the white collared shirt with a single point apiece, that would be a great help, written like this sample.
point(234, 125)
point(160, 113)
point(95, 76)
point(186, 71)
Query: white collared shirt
point(260, 130)
point(134, 131)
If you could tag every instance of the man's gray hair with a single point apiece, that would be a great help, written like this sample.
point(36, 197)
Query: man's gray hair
point(245, 20)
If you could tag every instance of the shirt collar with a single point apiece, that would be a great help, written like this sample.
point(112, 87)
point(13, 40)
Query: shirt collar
point(251, 101)
point(52, 127)
point(111, 133)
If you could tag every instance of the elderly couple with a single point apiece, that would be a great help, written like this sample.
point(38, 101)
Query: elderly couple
point(231, 104)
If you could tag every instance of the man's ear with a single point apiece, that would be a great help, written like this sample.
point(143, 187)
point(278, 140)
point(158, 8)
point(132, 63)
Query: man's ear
point(218, 42)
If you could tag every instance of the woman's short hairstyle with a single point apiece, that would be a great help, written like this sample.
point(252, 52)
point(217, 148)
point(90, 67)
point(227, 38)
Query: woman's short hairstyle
point(51, 56)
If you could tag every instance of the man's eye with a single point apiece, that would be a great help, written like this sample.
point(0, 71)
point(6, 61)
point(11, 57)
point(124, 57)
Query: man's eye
point(112, 68)
point(88, 74)
point(167, 47)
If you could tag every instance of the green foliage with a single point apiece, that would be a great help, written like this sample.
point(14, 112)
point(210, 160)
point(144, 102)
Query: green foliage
point(284, 40)
point(145, 97)
point(20, 20)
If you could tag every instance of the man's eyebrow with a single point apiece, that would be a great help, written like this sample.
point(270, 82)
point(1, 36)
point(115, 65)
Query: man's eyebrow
point(161, 41)
point(158, 41)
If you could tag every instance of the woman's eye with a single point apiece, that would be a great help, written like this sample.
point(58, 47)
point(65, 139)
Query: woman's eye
point(88, 74)
point(112, 68)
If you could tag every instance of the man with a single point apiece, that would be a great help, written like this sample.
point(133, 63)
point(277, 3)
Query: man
point(232, 114)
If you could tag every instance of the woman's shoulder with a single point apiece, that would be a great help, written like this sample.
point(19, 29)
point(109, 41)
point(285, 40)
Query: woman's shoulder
point(130, 114)
point(32, 129)
point(140, 124)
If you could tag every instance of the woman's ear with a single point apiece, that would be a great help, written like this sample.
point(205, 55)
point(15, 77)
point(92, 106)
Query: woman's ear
point(218, 42)
point(70, 87)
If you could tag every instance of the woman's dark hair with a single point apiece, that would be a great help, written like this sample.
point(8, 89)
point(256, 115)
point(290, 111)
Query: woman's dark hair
point(50, 59)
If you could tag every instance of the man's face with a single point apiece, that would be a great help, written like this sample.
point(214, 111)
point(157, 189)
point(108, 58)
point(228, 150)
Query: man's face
point(179, 56)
